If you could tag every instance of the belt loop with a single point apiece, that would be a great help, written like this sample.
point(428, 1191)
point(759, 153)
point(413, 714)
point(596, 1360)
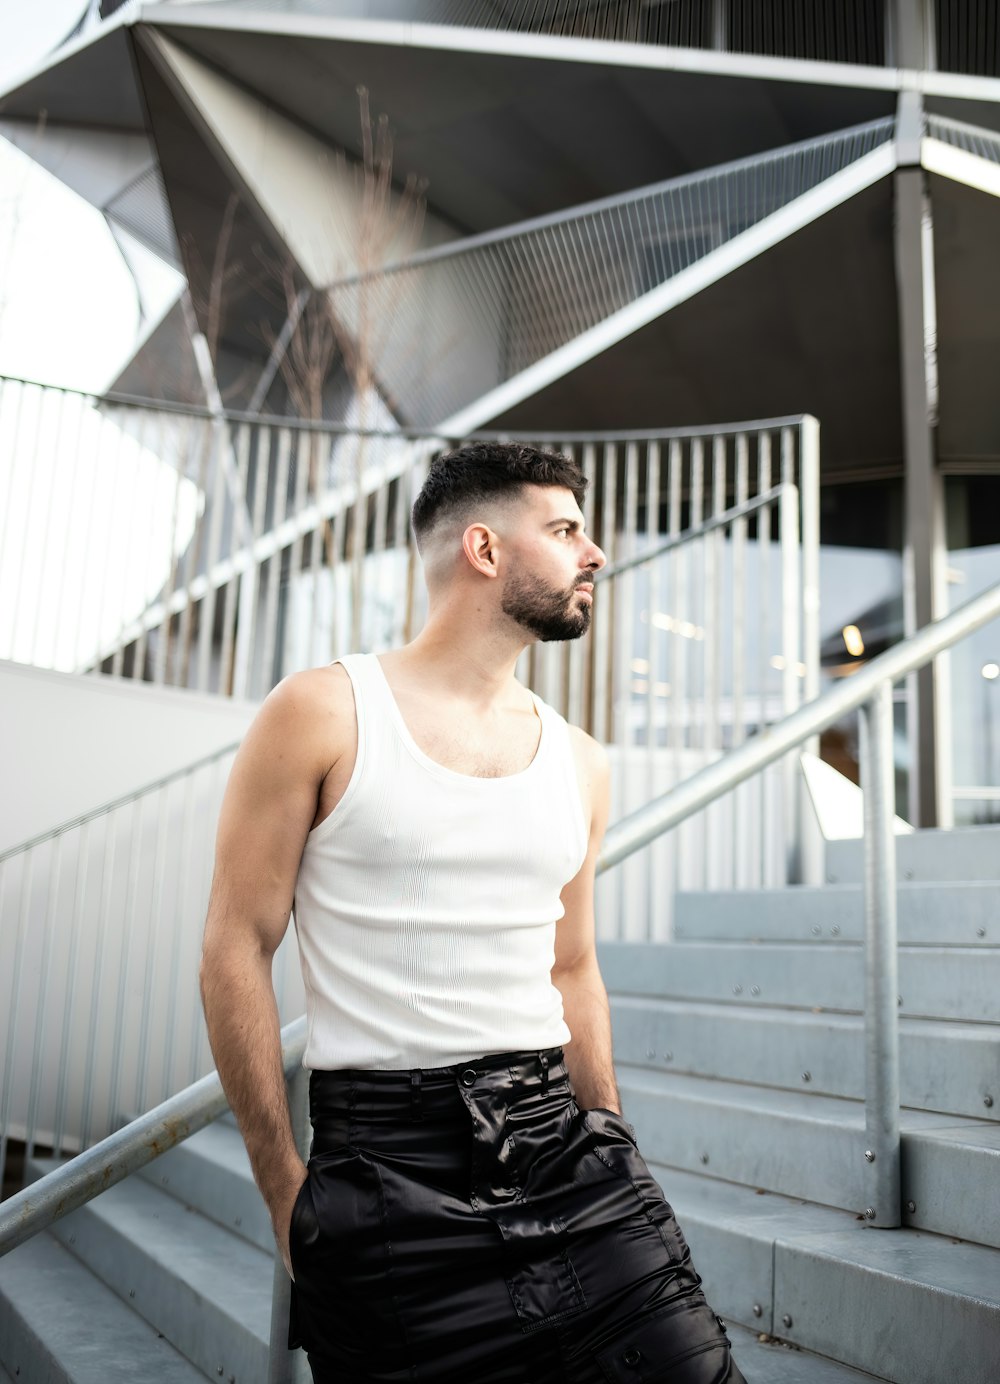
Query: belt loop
point(543, 1061)
point(416, 1110)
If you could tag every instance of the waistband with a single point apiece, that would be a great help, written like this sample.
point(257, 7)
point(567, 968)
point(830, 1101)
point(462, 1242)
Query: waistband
point(342, 1101)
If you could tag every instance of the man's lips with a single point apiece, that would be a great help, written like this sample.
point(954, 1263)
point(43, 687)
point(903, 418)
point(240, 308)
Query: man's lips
point(586, 589)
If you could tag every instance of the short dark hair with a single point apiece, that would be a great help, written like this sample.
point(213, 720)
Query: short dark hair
point(486, 470)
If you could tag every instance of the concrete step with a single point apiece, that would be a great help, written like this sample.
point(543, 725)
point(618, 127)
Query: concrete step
point(207, 1289)
point(960, 983)
point(210, 1173)
point(948, 1067)
point(952, 915)
point(766, 1360)
point(967, 853)
point(906, 1306)
point(812, 1146)
point(61, 1325)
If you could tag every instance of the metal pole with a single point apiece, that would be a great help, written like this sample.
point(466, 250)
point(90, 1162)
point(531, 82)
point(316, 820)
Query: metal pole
point(881, 1151)
point(283, 1365)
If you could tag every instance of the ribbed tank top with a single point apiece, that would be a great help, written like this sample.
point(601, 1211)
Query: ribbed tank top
point(426, 902)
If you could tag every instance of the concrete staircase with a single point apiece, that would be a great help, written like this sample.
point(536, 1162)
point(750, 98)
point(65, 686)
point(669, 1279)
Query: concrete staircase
point(740, 1058)
point(740, 1061)
point(167, 1277)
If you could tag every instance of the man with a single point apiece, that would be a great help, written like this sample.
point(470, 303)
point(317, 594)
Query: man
point(474, 1208)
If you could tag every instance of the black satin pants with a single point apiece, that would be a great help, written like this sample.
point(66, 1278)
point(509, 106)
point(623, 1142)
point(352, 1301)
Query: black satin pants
point(471, 1225)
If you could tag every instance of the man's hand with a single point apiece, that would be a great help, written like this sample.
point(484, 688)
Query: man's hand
point(280, 1204)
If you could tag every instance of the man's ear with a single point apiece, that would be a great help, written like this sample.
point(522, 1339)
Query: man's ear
point(479, 544)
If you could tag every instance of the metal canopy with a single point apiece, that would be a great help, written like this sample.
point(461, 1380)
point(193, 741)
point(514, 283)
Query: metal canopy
point(503, 137)
point(831, 342)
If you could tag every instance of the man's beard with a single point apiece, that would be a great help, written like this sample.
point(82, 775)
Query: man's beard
point(548, 613)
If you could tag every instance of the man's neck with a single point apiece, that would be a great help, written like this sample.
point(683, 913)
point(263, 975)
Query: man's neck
point(468, 662)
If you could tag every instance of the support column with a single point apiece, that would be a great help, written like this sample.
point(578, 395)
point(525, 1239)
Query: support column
point(924, 550)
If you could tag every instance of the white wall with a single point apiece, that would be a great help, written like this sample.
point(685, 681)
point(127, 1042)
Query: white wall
point(69, 743)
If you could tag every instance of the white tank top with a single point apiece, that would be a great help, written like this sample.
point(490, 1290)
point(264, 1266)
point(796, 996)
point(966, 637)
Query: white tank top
point(426, 902)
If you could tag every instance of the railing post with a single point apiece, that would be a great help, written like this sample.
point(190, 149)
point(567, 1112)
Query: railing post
point(285, 1366)
point(881, 1151)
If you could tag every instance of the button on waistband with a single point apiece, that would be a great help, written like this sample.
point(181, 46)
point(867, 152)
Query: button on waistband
point(468, 1077)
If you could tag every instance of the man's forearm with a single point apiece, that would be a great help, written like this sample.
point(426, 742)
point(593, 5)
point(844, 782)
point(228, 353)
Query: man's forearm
point(243, 1029)
point(588, 1054)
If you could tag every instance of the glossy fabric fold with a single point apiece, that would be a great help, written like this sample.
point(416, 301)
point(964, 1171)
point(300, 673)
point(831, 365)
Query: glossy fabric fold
point(471, 1223)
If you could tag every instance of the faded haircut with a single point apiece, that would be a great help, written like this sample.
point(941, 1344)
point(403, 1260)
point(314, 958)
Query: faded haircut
point(460, 480)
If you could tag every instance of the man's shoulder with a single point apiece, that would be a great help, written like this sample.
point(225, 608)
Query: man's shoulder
point(589, 751)
point(314, 705)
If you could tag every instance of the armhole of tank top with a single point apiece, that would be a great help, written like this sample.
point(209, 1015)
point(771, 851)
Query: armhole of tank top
point(341, 809)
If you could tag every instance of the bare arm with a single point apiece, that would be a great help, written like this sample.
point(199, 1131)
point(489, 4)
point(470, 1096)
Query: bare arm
point(576, 973)
point(269, 806)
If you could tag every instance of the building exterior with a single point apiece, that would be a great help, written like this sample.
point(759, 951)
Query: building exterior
point(589, 217)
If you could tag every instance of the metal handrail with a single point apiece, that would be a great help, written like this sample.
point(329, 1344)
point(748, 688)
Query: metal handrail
point(718, 521)
point(870, 689)
point(130, 1148)
point(769, 744)
point(138, 1143)
point(180, 1116)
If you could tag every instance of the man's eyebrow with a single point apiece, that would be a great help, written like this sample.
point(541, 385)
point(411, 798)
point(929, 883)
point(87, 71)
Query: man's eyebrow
point(573, 524)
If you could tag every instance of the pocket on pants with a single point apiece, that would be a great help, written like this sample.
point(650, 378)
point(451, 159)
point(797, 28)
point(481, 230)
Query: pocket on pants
point(683, 1345)
point(542, 1282)
point(613, 1142)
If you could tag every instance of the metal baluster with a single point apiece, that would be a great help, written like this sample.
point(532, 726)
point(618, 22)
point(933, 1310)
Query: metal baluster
point(791, 626)
point(657, 887)
point(31, 457)
point(738, 653)
point(587, 666)
point(237, 577)
point(293, 610)
point(189, 563)
point(165, 645)
point(813, 869)
point(764, 657)
point(153, 923)
point(182, 927)
point(97, 977)
point(132, 528)
point(151, 549)
point(206, 616)
point(113, 1110)
point(882, 1144)
point(270, 673)
point(69, 527)
point(16, 986)
point(69, 1002)
point(42, 993)
point(249, 581)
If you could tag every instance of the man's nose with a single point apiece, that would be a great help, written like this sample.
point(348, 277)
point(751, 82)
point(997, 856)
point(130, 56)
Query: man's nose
point(595, 558)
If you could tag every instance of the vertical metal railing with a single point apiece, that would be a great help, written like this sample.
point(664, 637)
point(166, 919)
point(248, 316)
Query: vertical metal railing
point(100, 934)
